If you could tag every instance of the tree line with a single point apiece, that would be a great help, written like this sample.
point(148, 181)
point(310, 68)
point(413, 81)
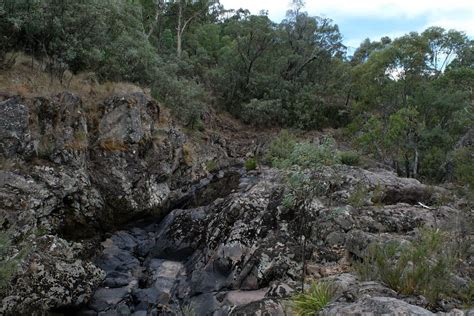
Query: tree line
point(406, 101)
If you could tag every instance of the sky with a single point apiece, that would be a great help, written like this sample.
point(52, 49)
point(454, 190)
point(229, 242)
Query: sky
point(360, 19)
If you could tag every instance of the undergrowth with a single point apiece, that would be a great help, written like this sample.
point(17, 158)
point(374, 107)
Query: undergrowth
point(423, 267)
point(314, 300)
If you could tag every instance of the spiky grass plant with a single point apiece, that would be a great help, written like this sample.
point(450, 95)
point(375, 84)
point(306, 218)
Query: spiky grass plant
point(314, 300)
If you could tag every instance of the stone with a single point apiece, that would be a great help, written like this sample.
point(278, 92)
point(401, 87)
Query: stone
point(376, 306)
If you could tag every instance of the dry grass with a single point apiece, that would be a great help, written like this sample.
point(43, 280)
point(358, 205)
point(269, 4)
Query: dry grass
point(27, 78)
point(188, 154)
point(113, 145)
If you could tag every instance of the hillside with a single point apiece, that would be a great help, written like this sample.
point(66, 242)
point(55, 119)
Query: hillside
point(177, 158)
point(111, 207)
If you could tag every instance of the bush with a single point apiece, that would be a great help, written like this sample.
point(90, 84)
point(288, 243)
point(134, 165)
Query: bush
point(463, 166)
point(359, 196)
point(285, 152)
point(212, 165)
point(423, 267)
point(263, 113)
point(250, 164)
point(185, 98)
point(281, 147)
point(318, 296)
point(8, 266)
point(350, 158)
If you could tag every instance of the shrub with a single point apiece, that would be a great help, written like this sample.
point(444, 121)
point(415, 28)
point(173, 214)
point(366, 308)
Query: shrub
point(378, 194)
point(250, 164)
point(45, 147)
point(349, 158)
point(263, 113)
point(359, 196)
point(281, 147)
point(212, 165)
point(8, 266)
point(423, 267)
point(184, 97)
point(318, 296)
point(464, 168)
point(285, 152)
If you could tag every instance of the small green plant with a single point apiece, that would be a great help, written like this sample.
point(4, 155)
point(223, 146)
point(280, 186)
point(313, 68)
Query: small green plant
point(314, 300)
point(45, 147)
point(350, 158)
point(281, 147)
point(467, 296)
point(8, 265)
point(464, 168)
point(423, 267)
point(212, 165)
point(288, 200)
point(378, 194)
point(285, 152)
point(188, 310)
point(80, 136)
point(250, 164)
point(358, 198)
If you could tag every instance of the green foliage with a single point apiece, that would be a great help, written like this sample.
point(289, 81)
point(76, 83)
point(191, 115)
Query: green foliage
point(378, 194)
point(8, 263)
point(464, 165)
point(281, 147)
point(349, 158)
point(423, 267)
point(186, 98)
point(250, 164)
point(212, 165)
point(285, 152)
point(263, 113)
point(359, 196)
point(406, 100)
point(410, 94)
point(318, 296)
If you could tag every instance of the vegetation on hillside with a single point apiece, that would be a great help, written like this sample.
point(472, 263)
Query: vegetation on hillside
point(405, 101)
point(423, 267)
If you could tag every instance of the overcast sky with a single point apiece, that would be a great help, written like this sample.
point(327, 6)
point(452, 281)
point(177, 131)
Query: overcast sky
point(358, 20)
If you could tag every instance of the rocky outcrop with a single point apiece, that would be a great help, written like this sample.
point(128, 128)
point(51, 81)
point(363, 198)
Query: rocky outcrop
point(53, 276)
point(242, 254)
point(118, 212)
point(76, 172)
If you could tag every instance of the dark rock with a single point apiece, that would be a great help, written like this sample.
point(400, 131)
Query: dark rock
point(14, 133)
point(105, 299)
point(376, 306)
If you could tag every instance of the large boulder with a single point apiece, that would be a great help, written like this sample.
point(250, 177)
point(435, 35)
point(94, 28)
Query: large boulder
point(14, 133)
point(52, 276)
point(376, 306)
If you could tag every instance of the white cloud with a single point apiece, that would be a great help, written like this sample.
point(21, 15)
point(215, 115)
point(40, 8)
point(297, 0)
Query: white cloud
point(390, 8)
point(458, 14)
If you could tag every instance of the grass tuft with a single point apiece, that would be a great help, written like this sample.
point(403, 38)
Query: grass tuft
point(314, 300)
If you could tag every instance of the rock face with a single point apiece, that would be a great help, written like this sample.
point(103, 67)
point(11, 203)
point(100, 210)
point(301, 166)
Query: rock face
point(242, 254)
point(74, 172)
point(114, 211)
point(55, 277)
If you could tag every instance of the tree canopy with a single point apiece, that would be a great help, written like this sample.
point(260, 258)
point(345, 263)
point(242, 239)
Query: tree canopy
point(406, 101)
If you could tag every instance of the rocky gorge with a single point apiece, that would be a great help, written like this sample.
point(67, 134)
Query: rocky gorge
point(114, 210)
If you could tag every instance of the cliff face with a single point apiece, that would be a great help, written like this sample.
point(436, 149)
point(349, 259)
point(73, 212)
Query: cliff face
point(112, 210)
point(70, 174)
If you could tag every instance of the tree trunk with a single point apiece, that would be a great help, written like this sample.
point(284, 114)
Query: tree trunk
point(407, 166)
point(415, 163)
point(179, 31)
point(303, 262)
